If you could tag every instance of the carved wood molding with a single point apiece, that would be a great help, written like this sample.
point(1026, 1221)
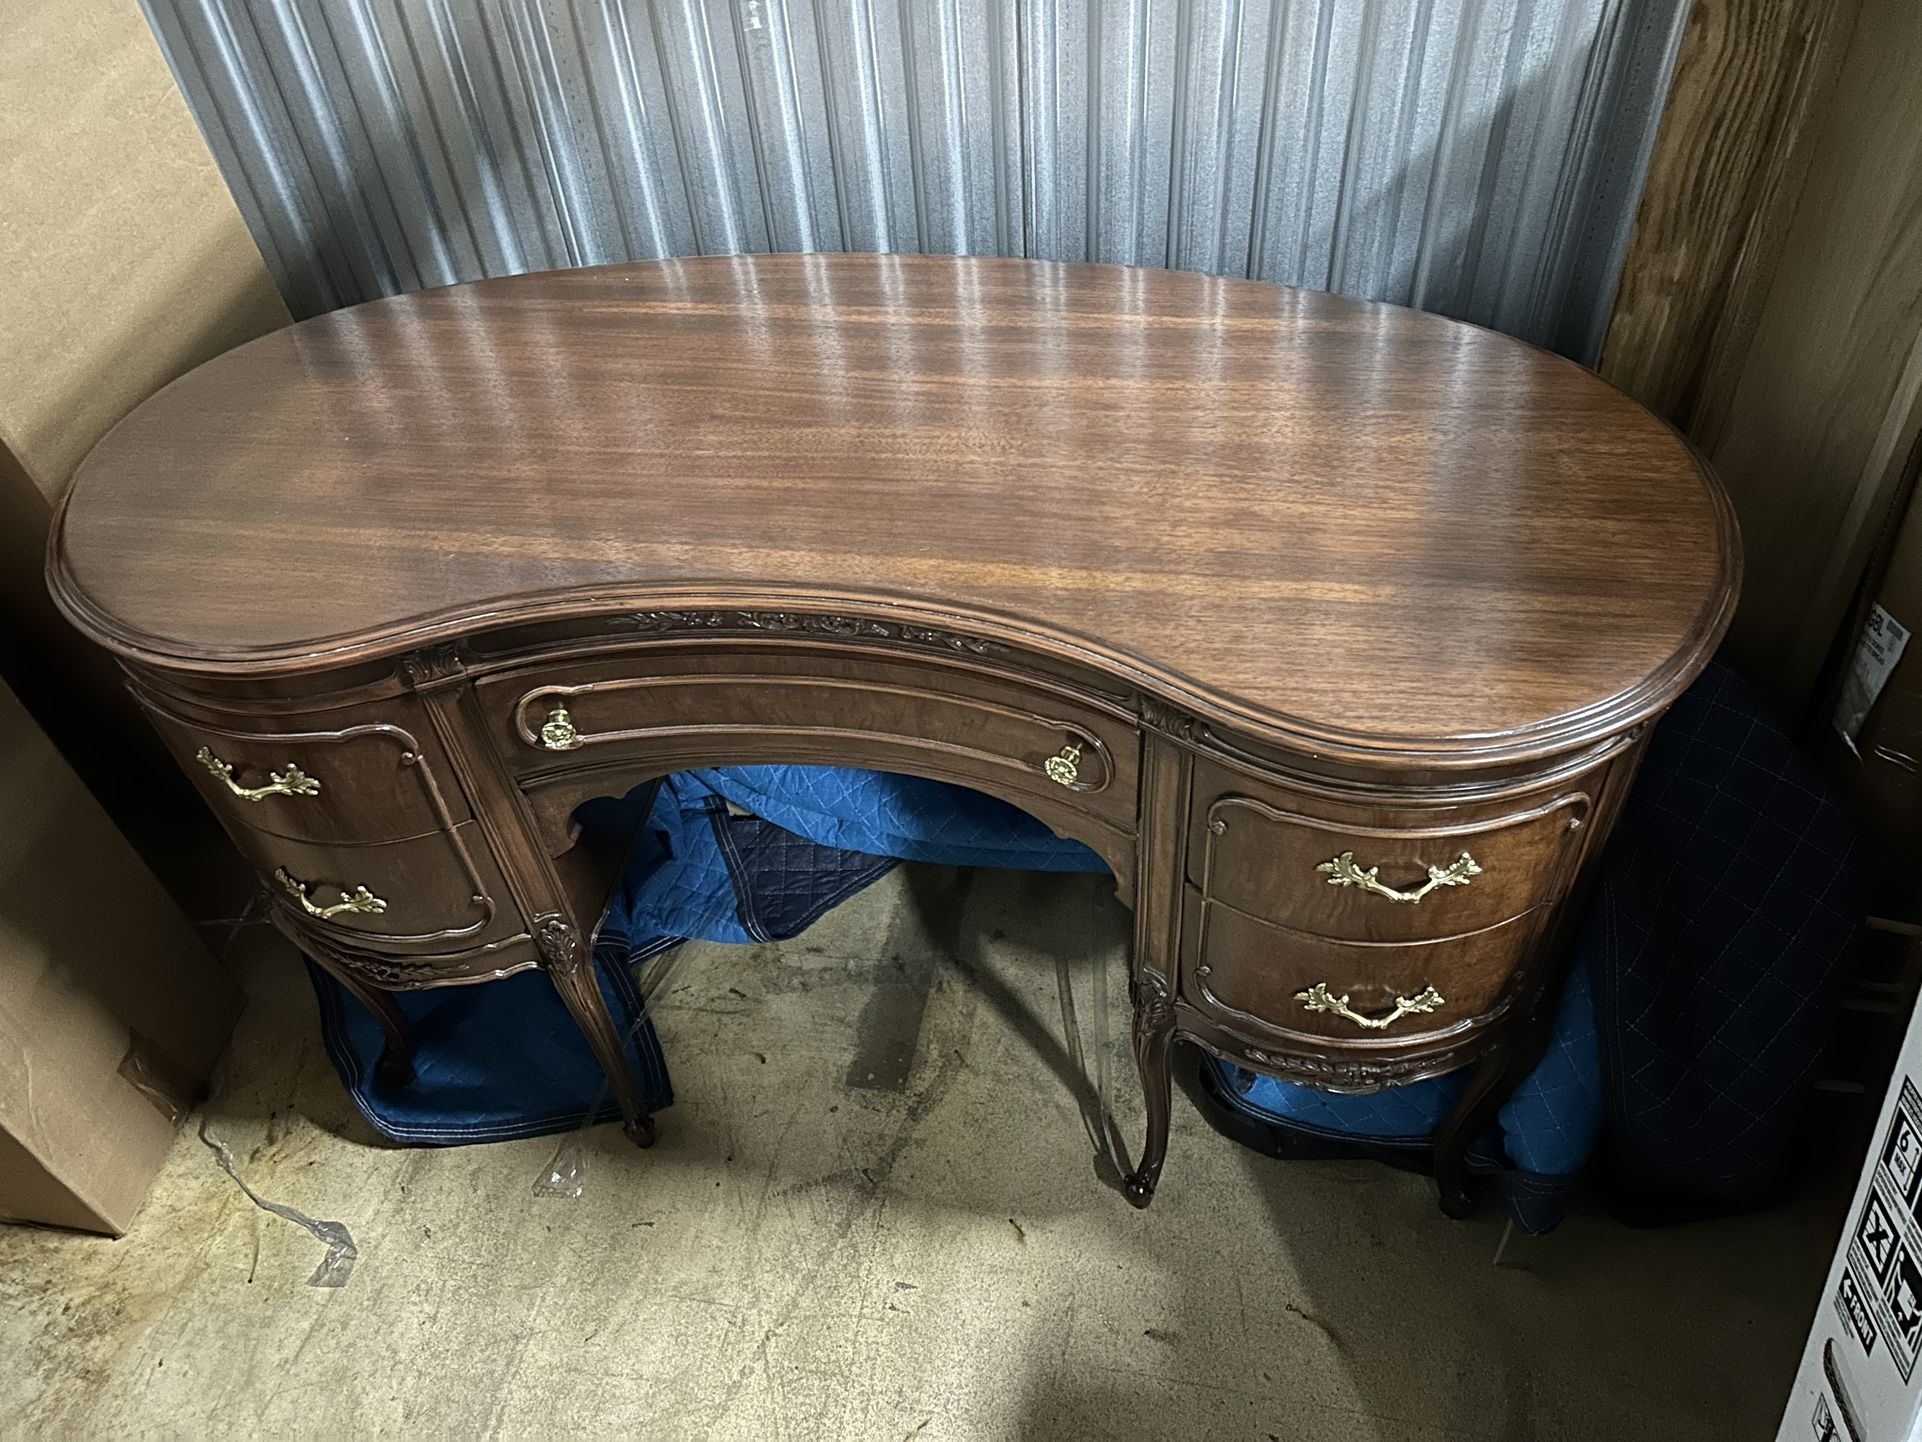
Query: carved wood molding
point(1169, 720)
point(840, 628)
point(1355, 1075)
point(1154, 1006)
point(389, 971)
point(557, 941)
point(432, 665)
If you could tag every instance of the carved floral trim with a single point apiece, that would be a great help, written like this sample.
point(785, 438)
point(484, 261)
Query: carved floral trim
point(392, 971)
point(661, 623)
point(1353, 1075)
point(557, 940)
point(1169, 720)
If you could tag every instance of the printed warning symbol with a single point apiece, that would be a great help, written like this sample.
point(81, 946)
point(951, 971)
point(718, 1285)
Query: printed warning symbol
point(1903, 1292)
point(1854, 1309)
point(1902, 1153)
point(1824, 1420)
point(1876, 1235)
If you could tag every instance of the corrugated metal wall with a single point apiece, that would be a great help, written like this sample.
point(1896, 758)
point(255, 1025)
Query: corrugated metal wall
point(1476, 157)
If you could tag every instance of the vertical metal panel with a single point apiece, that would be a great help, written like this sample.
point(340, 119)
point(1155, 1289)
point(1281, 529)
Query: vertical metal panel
point(1476, 157)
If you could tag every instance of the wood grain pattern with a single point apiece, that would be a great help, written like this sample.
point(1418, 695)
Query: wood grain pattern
point(1768, 302)
point(1737, 135)
point(1825, 414)
point(1343, 522)
point(1250, 974)
point(443, 892)
point(1266, 860)
point(981, 729)
point(1117, 547)
point(381, 774)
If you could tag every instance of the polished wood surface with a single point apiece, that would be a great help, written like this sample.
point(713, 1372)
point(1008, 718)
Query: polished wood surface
point(1251, 852)
point(1251, 974)
point(1225, 581)
point(1323, 519)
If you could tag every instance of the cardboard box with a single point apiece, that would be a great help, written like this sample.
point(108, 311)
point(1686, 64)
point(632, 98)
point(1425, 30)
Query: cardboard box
point(126, 263)
point(1878, 714)
point(112, 1010)
point(1861, 1373)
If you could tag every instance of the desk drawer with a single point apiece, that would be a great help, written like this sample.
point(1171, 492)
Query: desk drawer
point(1002, 736)
point(1357, 882)
point(1247, 972)
point(441, 892)
point(357, 776)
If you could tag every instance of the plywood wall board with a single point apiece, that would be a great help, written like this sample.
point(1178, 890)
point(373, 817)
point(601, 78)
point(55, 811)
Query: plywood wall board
point(1751, 84)
point(1824, 409)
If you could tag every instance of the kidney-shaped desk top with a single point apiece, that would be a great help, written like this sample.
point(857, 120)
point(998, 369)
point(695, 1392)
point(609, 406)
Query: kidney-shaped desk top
point(1227, 579)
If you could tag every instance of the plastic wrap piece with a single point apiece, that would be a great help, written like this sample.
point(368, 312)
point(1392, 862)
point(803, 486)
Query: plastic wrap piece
point(564, 1178)
point(1092, 1094)
point(148, 1071)
point(338, 1265)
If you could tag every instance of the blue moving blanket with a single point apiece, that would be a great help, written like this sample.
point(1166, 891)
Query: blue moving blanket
point(1686, 1036)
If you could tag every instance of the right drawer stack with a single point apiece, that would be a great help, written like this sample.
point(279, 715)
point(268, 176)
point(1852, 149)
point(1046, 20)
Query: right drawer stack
point(1320, 921)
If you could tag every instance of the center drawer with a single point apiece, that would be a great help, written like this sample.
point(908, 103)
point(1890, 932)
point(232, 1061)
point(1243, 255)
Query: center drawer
point(1369, 882)
point(1000, 735)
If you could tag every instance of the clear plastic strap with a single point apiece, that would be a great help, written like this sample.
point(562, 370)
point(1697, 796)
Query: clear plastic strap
point(338, 1265)
point(564, 1178)
point(1092, 1095)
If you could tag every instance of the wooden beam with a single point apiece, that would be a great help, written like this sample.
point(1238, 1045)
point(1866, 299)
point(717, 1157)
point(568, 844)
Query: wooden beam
point(1769, 302)
point(1751, 84)
point(1826, 401)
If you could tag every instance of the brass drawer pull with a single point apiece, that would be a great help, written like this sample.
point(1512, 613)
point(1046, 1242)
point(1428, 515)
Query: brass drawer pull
point(1342, 871)
point(1319, 998)
point(357, 901)
point(1064, 767)
point(291, 782)
point(558, 733)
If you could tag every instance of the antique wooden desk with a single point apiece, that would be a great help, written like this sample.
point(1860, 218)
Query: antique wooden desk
point(1335, 628)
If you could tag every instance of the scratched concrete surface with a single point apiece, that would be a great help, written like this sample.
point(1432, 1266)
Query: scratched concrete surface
point(876, 1212)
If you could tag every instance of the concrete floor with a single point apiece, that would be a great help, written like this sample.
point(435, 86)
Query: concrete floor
point(875, 1212)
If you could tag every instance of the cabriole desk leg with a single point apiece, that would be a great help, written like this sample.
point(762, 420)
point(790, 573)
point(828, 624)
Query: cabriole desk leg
point(396, 1065)
point(1470, 1116)
point(1505, 1067)
point(572, 971)
point(1154, 1038)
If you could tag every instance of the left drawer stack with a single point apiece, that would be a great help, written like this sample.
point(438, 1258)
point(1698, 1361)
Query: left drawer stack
point(354, 820)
